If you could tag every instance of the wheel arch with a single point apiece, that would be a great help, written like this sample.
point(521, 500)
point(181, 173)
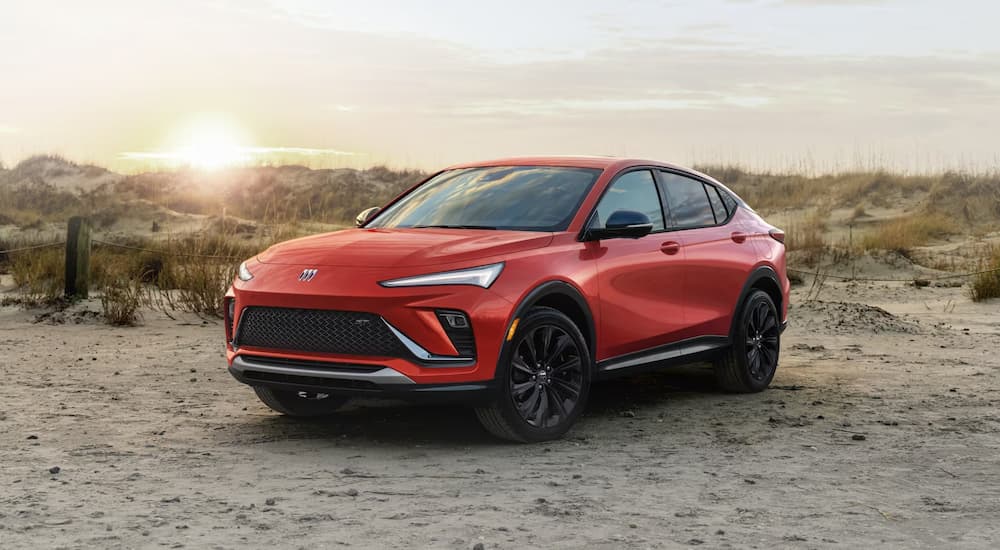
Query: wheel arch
point(566, 298)
point(761, 278)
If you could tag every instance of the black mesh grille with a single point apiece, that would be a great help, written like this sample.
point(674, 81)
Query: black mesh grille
point(317, 330)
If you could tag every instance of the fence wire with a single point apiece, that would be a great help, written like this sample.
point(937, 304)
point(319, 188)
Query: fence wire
point(164, 252)
point(33, 247)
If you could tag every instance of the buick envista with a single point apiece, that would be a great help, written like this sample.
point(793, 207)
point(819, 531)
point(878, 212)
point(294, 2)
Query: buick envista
point(512, 286)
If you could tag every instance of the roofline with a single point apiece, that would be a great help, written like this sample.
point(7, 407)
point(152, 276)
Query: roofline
point(582, 161)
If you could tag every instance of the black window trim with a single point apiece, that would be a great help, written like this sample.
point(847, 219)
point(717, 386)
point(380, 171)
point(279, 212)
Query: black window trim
point(663, 194)
point(708, 195)
point(664, 210)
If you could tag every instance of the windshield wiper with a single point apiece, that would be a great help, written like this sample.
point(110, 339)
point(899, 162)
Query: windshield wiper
point(443, 226)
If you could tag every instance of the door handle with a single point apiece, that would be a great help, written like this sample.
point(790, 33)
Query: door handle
point(670, 248)
point(738, 236)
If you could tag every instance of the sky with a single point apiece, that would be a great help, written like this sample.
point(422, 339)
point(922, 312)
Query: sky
point(816, 85)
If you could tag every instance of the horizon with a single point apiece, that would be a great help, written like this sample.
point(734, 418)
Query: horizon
point(769, 85)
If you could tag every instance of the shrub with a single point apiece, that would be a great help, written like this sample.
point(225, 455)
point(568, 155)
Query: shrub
point(39, 274)
point(987, 285)
point(805, 238)
point(903, 234)
point(198, 285)
point(120, 301)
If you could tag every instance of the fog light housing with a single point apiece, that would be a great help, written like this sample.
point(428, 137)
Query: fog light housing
point(454, 320)
point(457, 326)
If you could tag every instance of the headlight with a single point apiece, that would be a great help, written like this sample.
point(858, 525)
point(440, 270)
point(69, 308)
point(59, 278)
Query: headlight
point(243, 273)
point(477, 276)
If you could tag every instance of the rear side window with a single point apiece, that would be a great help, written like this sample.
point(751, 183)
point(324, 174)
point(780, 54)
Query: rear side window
point(729, 201)
point(634, 191)
point(717, 207)
point(688, 201)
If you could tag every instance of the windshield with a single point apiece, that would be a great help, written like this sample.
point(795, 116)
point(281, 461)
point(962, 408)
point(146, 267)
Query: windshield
point(523, 198)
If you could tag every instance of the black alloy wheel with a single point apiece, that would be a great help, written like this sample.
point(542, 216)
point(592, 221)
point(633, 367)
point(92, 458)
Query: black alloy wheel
point(762, 341)
point(750, 362)
point(546, 376)
point(544, 379)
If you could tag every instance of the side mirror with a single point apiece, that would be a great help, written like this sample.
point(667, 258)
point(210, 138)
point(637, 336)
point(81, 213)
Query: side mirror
point(623, 224)
point(366, 215)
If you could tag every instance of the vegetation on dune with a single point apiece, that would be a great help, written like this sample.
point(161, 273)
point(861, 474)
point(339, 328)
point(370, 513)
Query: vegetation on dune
point(929, 208)
point(40, 274)
point(241, 211)
point(121, 300)
point(903, 234)
point(968, 198)
point(189, 273)
point(987, 285)
point(49, 189)
point(804, 237)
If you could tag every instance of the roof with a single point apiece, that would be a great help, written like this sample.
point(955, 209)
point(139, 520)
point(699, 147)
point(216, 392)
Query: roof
point(567, 160)
point(612, 164)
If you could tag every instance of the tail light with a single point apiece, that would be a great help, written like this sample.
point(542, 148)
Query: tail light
point(777, 235)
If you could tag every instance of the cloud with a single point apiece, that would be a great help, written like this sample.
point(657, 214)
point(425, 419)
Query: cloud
point(754, 77)
point(8, 129)
point(556, 107)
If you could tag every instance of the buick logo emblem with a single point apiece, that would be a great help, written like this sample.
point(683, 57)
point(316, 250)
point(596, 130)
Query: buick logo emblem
point(307, 275)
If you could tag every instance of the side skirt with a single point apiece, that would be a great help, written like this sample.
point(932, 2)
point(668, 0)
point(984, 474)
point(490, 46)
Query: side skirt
point(686, 351)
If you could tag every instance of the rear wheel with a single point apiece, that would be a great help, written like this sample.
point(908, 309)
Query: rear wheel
point(299, 403)
point(752, 359)
point(544, 378)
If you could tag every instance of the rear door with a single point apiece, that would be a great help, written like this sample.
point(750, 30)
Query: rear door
point(639, 280)
point(718, 256)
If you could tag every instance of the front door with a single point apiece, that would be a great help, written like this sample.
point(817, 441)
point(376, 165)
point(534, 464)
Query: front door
point(639, 280)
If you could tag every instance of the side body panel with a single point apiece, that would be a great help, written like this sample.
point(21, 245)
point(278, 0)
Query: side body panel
point(716, 267)
point(642, 296)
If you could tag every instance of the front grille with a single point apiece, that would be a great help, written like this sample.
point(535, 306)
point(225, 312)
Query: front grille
point(318, 331)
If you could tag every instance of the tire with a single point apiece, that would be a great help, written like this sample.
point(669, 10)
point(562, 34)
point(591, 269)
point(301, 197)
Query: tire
point(544, 379)
point(748, 366)
point(299, 404)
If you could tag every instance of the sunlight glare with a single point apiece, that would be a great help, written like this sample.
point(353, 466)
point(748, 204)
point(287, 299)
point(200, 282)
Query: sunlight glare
point(211, 144)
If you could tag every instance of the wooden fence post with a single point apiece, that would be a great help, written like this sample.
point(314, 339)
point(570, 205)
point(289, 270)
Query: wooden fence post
point(77, 257)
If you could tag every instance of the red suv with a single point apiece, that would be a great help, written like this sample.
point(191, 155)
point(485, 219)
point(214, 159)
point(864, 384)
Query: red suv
point(513, 285)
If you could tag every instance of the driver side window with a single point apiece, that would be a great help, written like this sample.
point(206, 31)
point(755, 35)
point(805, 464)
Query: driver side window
point(632, 191)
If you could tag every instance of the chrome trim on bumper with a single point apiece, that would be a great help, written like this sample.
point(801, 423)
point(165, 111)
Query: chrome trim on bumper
point(420, 352)
point(385, 375)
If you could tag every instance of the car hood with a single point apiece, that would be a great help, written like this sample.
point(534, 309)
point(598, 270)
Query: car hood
point(401, 247)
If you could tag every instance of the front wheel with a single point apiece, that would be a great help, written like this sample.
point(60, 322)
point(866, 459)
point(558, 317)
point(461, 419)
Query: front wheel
point(752, 359)
point(544, 378)
point(299, 403)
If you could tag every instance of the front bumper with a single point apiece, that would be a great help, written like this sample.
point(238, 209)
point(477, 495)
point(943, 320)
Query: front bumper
point(373, 381)
point(428, 357)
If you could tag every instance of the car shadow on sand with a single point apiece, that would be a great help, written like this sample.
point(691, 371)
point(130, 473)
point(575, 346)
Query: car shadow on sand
point(387, 422)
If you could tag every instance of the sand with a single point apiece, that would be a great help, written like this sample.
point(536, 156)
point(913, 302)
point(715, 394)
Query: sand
point(881, 428)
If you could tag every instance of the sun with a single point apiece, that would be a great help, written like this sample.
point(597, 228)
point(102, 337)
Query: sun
point(210, 144)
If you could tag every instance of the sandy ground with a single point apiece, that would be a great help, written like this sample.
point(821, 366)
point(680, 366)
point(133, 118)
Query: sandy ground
point(881, 429)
